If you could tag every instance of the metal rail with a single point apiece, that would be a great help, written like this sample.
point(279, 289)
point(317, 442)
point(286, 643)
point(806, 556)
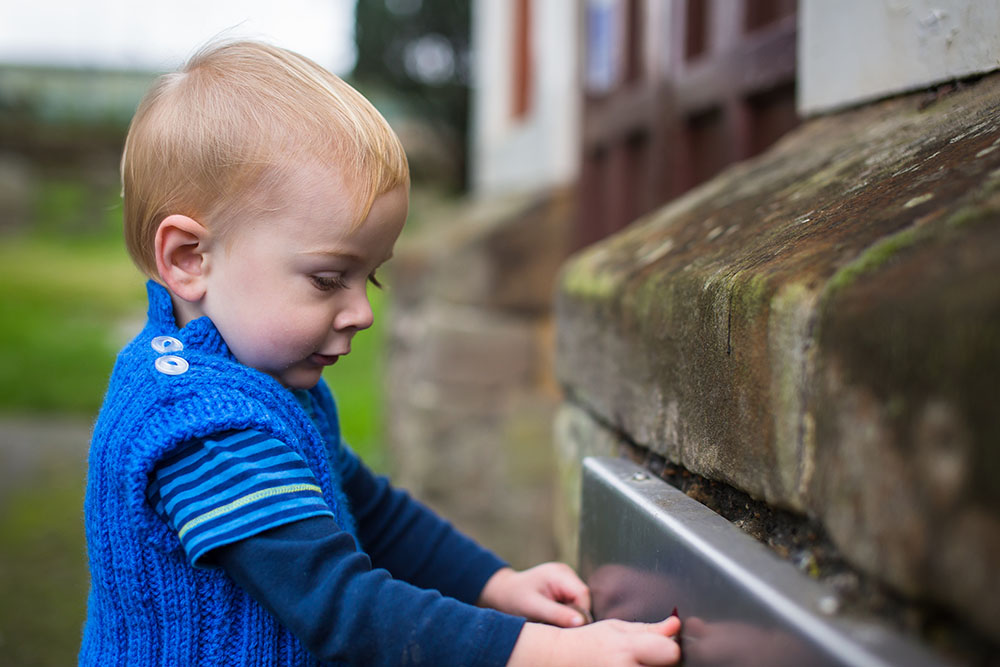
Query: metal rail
point(647, 549)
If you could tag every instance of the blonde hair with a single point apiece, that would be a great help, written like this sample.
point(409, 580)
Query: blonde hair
point(217, 136)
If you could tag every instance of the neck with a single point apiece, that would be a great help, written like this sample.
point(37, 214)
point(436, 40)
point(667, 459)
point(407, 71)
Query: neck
point(184, 311)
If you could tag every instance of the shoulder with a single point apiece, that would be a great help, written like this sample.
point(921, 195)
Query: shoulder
point(165, 390)
point(161, 398)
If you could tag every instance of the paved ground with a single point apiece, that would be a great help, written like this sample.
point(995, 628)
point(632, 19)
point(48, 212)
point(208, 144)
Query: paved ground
point(30, 447)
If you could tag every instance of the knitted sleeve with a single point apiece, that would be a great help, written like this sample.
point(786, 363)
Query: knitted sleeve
point(225, 488)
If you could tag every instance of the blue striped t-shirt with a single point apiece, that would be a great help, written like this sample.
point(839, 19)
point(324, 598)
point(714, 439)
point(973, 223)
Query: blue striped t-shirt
point(232, 486)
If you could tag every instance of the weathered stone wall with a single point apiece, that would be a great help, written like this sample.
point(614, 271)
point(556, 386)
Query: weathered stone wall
point(471, 387)
point(820, 328)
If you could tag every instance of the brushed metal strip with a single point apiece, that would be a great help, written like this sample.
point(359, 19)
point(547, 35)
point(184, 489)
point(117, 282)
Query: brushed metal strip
point(646, 549)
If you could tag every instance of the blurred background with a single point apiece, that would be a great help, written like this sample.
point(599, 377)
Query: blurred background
point(534, 128)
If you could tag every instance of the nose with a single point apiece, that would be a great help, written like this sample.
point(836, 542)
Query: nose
point(356, 313)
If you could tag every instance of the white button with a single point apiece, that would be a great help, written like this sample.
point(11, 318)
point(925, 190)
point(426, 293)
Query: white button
point(171, 365)
point(166, 344)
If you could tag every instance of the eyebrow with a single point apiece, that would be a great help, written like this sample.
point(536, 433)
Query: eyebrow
point(333, 253)
point(345, 255)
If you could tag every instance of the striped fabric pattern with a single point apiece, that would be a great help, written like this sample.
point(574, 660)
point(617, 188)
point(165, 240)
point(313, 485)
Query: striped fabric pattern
point(220, 490)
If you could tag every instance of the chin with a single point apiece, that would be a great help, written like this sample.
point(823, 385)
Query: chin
point(303, 384)
point(301, 379)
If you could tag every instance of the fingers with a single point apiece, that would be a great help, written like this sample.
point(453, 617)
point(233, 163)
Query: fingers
point(562, 578)
point(562, 598)
point(557, 613)
point(584, 613)
point(565, 586)
point(657, 651)
point(549, 593)
point(578, 593)
point(657, 646)
point(669, 627)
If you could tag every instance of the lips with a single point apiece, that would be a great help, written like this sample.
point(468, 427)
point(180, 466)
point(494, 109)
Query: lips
point(324, 359)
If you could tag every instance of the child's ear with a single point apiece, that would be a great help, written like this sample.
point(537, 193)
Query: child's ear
point(182, 256)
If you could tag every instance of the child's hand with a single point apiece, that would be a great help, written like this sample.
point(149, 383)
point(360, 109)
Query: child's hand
point(606, 644)
point(548, 593)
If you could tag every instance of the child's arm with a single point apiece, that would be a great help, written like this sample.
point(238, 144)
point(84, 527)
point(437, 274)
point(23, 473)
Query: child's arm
point(409, 540)
point(340, 608)
point(414, 544)
point(310, 576)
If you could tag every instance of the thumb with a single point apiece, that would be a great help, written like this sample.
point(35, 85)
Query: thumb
point(668, 627)
point(556, 613)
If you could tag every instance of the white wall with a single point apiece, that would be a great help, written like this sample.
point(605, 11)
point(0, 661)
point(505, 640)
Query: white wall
point(540, 150)
point(852, 51)
point(158, 36)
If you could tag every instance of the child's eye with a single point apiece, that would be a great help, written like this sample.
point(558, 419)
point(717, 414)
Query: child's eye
point(327, 283)
point(374, 280)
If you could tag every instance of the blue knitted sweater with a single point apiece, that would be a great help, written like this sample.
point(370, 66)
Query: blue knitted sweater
point(147, 605)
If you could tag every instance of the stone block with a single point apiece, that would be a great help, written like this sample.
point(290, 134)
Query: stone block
point(576, 436)
point(500, 254)
point(904, 407)
point(470, 399)
point(819, 327)
point(490, 475)
point(476, 347)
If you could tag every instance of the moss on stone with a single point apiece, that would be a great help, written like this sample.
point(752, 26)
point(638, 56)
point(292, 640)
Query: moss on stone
point(651, 302)
point(985, 210)
point(871, 259)
point(583, 277)
point(790, 339)
point(751, 294)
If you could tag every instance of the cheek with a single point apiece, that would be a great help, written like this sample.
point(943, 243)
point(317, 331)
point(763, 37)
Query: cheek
point(293, 331)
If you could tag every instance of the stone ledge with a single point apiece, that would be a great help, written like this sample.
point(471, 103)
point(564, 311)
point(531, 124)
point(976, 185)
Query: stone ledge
point(820, 327)
point(502, 253)
point(472, 396)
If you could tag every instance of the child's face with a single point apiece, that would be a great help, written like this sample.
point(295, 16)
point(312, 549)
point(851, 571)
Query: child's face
point(288, 291)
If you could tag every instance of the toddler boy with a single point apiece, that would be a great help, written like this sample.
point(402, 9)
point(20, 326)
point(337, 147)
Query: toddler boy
point(227, 523)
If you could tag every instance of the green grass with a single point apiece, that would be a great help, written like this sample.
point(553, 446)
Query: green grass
point(65, 309)
point(43, 570)
point(356, 382)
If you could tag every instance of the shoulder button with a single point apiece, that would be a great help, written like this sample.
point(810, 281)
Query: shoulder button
point(163, 344)
point(171, 365)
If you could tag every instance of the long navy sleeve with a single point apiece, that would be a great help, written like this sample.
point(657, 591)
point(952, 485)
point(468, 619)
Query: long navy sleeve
point(312, 578)
point(409, 540)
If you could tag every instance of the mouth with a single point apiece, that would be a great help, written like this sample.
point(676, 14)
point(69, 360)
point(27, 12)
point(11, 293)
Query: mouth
point(324, 359)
